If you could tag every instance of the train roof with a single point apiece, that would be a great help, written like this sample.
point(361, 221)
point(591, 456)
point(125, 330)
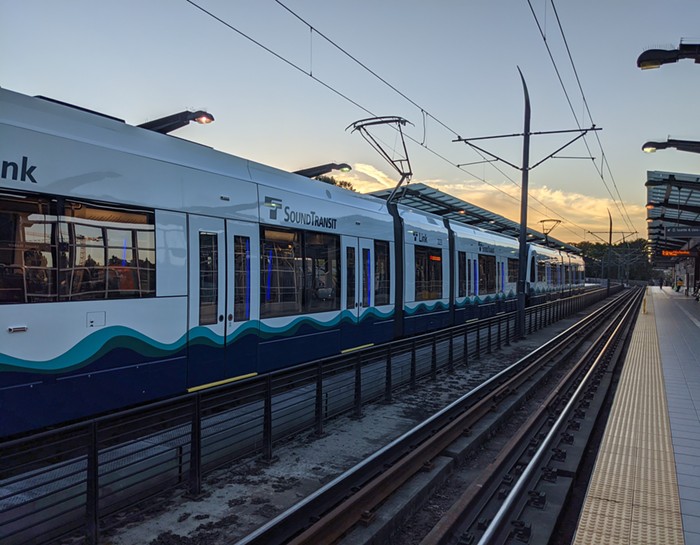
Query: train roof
point(60, 119)
point(79, 124)
point(429, 199)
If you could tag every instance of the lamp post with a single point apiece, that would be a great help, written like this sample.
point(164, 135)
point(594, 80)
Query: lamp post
point(167, 124)
point(525, 170)
point(654, 58)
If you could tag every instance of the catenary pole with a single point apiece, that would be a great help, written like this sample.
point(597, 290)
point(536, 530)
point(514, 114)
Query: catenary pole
point(522, 240)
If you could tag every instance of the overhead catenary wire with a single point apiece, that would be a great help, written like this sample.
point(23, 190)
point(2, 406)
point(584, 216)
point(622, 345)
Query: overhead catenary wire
point(424, 114)
point(548, 210)
point(604, 157)
point(625, 216)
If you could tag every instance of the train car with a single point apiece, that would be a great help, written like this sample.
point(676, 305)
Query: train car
point(575, 271)
point(426, 272)
point(136, 266)
point(486, 268)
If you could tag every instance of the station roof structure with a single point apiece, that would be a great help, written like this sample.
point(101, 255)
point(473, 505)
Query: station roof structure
point(429, 199)
point(673, 216)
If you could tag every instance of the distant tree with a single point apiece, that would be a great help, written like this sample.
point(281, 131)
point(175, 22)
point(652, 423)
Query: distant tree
point(340, 183)
point(627, 260)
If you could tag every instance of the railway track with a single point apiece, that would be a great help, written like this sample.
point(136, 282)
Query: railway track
point(534, 470)
point(114, 468)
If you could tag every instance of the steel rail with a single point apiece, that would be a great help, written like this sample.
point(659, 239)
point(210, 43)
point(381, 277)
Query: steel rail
point(500, 521)
point(478, 493)
point(345, 499)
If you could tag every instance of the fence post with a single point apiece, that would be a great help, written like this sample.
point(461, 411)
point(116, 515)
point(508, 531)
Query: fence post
point(92, 516)
point(195, 484)
point(450, 360)
point(267, 421)
point(507, 330)
point(478, 341)
point(488, 345)
point(388, 384)
point(466, 346)
point(358, 387)
point(413, 365)
point(498, 336)
point(319, 399)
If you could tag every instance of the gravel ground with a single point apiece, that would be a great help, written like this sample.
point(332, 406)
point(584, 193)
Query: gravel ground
point(238, 499)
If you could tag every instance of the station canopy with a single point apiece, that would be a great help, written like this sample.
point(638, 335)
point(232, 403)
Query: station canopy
point(673, 216)
point(429, 199)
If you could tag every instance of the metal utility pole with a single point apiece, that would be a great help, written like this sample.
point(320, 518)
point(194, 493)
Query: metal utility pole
point(525, 170)
point(609, 252)
point(522, 239)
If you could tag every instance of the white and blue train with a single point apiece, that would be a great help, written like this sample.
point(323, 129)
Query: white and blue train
point(136, 266)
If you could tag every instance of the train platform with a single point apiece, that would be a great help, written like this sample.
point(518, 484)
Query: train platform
point(645, 487)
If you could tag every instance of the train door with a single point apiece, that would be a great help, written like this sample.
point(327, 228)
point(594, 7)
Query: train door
point(350, 300)
point(207, 289)
point(242, 301)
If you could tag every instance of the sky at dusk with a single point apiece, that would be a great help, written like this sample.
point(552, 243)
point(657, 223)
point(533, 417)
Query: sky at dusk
point(448, 67)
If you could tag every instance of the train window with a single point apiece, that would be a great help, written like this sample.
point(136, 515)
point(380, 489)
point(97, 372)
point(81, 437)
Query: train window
point(542, 271)
point(281, 274)
point(470, 285)
point(299, 272)
point(208, 278)
point(82, 252)
point(106, 253)
point(27, 250)
point(382, 273)
point(487, 273)
point(322, 262)
point(428, 263)
point(350, 269)
point(512, 270)
point(555, 274)
point(461, 274)
point(533, 269)
point(502, 277)
point(241, 272)
point(366, 275)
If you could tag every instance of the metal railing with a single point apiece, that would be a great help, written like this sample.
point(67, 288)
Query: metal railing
point(91, 477)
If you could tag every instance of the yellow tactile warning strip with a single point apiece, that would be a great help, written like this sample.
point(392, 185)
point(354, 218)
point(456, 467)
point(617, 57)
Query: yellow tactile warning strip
point(632, 498)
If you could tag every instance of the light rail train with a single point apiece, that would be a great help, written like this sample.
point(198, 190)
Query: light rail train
point(136, 266)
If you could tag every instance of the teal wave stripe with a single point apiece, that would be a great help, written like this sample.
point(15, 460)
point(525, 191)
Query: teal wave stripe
point(103, 341)
point(93, 347)
point(425, 307)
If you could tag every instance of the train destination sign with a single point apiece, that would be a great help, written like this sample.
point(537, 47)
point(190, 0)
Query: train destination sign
point(683, 232)
point(675, 253)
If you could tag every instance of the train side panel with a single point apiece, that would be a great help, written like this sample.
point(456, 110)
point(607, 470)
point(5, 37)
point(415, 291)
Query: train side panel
point(426, 269)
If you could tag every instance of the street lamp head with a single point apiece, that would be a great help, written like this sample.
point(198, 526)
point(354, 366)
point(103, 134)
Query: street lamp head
point(651, 147)
point(691, 146)
point(654, 58)
point(202, 117)
point(167, 124)
point(320, 170)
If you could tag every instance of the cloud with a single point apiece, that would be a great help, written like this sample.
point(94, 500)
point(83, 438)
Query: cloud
point(580, 215)
point(366, 178)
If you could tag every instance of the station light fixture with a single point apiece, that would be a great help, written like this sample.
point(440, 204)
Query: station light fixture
point(691, 146)
point(654, 58)
point(167, 124)
point(320, 170)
